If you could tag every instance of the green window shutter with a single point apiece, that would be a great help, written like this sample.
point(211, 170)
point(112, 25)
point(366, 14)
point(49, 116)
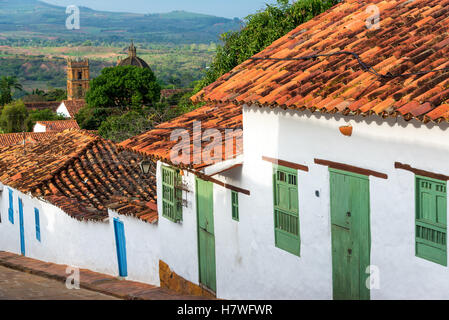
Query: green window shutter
point(171, 195)
point(286, 209)
point(431, 222)
point(235, 205)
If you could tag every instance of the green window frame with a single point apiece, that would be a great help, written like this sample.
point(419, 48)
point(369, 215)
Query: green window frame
point(235, 205)
point(171, 194)
point(431, 220)
point(286, 209)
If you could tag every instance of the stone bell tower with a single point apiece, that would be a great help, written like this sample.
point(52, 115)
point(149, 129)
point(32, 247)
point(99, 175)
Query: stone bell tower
point(78, 77)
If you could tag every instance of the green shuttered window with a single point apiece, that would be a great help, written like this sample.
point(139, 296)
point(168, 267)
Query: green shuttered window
point(431, 222)
point(235, 205)
point(286, 214)
point(171, 194)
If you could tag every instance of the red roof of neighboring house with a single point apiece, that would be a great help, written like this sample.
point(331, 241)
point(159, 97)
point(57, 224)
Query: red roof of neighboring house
point(52, 105)
point(8, 139)
point(158, 145)
point(59, 125)
point(74, 106)
point(83, 175)
point(412, 38)
point(167, 93)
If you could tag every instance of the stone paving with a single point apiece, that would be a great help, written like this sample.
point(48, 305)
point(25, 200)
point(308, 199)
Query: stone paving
point(90, 280)
point(17, 285)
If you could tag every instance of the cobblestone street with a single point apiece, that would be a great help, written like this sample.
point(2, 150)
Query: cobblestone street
point(17, 285)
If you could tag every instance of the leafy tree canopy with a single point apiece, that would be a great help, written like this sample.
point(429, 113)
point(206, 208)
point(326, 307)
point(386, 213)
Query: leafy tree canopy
point(116, 91)
point(13, 117)
point(7, 86)
point(123, 87)
point(121, 127)
point(260, 30)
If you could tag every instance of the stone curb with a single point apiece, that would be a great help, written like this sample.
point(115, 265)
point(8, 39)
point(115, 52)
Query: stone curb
point(141, 291)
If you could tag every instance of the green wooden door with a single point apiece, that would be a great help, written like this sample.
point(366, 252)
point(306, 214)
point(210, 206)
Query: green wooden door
point(350, 235)
point(206, 238)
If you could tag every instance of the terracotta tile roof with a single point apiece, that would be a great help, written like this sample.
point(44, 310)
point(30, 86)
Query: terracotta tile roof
point(412, 37)
point(8, 139)
point(167, 93)
point(52, 105)
point(157, 143)
point(59, 125)
point(74, 106)
point(82, 174)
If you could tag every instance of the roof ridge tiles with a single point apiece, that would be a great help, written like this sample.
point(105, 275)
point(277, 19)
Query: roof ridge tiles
point(417, 38)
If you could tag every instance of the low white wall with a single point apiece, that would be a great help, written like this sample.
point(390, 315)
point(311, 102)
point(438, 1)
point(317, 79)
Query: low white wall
point(89, 245)
point(142, 248)
point(64, 240)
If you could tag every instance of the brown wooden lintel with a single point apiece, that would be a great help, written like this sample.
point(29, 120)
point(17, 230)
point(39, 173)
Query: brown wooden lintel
point(286, 164)
point(349, 168)
point(420, 172)
point(224, 185)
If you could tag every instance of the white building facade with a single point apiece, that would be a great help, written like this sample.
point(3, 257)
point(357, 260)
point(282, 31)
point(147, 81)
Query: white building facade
point(45, 232)
point(397, 262)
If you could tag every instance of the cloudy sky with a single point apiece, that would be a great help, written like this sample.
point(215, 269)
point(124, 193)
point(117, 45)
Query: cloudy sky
point(222, 8)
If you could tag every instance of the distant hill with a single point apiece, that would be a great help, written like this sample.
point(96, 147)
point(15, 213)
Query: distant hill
point(32, 20)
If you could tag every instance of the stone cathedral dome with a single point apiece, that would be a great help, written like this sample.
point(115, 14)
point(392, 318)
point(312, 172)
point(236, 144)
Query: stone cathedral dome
point(133, 59)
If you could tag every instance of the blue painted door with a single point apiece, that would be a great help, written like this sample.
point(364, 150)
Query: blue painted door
point(22, 233)
point(120, 244)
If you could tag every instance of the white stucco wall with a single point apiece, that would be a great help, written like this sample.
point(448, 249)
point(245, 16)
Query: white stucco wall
point(249, 266)
point(142, 248)
point(178, 241)
point(89, 245)
point(62, 110)
point(39, 128)
point(64, 240)
point(376, 144)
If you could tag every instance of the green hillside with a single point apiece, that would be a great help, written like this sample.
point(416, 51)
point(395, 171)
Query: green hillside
point(32, 21)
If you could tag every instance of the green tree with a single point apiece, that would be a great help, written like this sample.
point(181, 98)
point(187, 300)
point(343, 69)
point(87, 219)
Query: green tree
point(116, 91)
point(56, 94)
point(121, 127)
point(14, 117)
point(260, 30)
point(7, 85)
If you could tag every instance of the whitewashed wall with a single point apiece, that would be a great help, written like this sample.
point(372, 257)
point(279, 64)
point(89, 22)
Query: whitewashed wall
point(89, 245)
point(64, 240)
point(178, 241)
point(142, 248)
point(62, 110)
point(376, 144)
point(249, 266)
point(39, 128)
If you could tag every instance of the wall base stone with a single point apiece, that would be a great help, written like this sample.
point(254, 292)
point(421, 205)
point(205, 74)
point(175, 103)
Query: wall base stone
point(170, 280)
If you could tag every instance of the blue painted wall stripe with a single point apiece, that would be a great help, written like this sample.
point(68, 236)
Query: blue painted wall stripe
point(120, 242)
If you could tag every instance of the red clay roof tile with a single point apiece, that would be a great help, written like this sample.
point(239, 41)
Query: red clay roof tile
point(59, 125)
point(412, 38)
point(157, 143)
point(82, 174)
